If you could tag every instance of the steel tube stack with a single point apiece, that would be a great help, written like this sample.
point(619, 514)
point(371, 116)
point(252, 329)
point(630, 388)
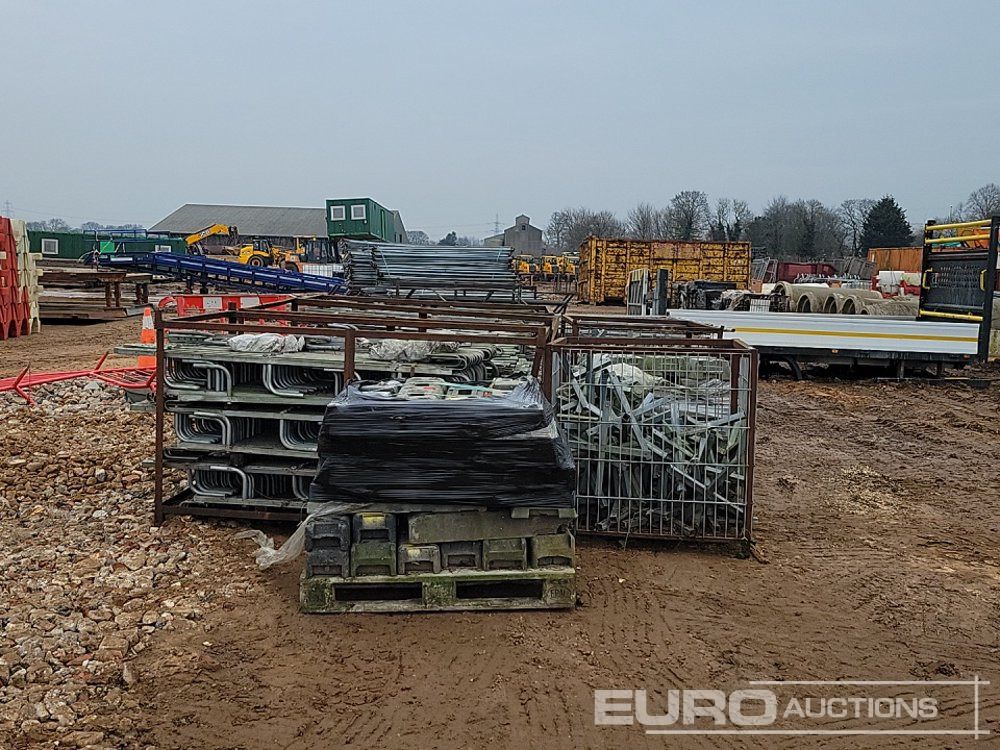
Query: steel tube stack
point(430, 271)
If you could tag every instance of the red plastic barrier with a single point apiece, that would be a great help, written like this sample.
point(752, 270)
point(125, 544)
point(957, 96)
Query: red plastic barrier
point(15, 311)
point(194, 304)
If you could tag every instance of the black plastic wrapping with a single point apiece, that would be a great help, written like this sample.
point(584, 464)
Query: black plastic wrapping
point(497, 451)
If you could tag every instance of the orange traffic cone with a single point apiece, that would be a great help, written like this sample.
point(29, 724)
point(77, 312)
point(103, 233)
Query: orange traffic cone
point(147, 336)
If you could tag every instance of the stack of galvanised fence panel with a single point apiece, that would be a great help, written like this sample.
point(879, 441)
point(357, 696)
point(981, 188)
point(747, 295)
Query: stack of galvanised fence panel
point(247, 422)
point(605, 264)
point(19, 274)
point(433, 270)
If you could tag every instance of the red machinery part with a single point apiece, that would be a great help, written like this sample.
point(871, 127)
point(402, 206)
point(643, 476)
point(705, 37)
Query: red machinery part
point(132, 378)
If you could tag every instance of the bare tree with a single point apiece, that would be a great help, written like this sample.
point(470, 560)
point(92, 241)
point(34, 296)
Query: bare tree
point(771, 230)
point(690, 215)
point(96, 226)
point(823, 228)
point(852, 214)
point(717, 230)
point(798, 230)
point(568, 228)
point(647, 222)
point(982, 203)
point(731, 221)
point(49, 225)
point(418, 237)
point(603, 224)
point(558, 228)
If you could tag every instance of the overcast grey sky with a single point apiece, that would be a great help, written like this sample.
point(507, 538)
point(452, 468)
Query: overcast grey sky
point(453, 112)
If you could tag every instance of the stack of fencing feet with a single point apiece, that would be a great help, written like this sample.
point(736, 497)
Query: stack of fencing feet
point(246, 388)
point(19, 288)
point(247, 424)
point(423, 503)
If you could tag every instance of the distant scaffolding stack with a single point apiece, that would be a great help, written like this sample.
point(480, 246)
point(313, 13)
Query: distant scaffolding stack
point(430, 271)
point(19, 289)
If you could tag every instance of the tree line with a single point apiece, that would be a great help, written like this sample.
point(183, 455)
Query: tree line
point(451, 239)
point(61, 225)
point(784, 229)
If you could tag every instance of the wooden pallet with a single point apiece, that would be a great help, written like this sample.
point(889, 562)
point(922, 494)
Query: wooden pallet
point(541, 588)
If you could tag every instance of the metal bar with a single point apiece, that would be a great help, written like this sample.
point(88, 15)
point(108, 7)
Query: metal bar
point(958, 225)
point(175, 507)
point(480, 335)
point(540, 309)
point(953, 316)
point(350, 342)
point(953, 240)
point(992, 256)
point(253, 314)
point(160, 396)
point(751, 447)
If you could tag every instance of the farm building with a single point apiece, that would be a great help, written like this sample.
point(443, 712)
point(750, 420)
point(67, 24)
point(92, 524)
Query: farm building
point(522, 236)
point(279, 225)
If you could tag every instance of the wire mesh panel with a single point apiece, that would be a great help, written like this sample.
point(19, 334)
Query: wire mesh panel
point(662, 434)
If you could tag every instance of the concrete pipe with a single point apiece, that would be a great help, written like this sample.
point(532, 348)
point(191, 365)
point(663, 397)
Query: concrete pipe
point(807, 302)
point(785, 289)
point(890, 308)
point(850, 301)
point(832, 304)
point(794, 294)
point(849, 305)
point(814, 300)
point(866, 294)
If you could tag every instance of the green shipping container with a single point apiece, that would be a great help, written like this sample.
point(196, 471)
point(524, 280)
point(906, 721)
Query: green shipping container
point(73, 245)
point(363, 219)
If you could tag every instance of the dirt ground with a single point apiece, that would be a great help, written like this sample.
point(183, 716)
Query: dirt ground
point(877, 512)
point(61, 346)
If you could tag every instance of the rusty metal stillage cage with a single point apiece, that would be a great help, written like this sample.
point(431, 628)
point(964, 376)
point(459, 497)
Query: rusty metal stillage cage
point(662, 432)
point(245, 423)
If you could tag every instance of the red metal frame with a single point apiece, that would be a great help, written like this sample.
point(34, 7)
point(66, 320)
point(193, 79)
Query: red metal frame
point(122, 377)
point(396, 321)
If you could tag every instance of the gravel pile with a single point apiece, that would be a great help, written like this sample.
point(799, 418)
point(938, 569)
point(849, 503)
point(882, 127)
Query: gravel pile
point(85, 581)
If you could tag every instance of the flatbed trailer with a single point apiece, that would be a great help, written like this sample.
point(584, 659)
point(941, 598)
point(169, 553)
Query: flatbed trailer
point(845, 339)
point(953, 324)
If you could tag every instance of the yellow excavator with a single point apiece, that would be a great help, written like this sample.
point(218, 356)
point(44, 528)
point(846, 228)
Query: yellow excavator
point(525, 265)
point(551, 268)
point(194, 240)
point(257, 253)
point(568, 263)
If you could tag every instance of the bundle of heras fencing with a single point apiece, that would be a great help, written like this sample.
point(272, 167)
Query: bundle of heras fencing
point(427, 270)
point(495, 452)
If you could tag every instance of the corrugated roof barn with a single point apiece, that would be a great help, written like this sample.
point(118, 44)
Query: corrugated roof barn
point(251, 221)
